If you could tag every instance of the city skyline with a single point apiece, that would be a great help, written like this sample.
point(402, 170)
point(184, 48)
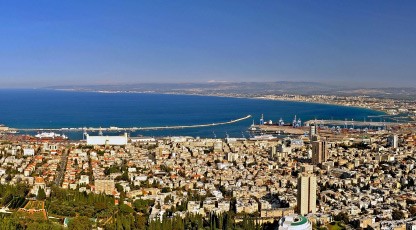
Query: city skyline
point(50, 43)
point(150, 115)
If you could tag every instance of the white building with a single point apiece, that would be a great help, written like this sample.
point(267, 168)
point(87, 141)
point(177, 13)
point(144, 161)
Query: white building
point(411, 225)
point(232, 156)
point(142, 139)
point(107, 140)
point(85, 179)
point(28, 152)
point(393, 141)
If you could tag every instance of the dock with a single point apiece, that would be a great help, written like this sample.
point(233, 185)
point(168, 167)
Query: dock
point(275, 129)
point(352, 123)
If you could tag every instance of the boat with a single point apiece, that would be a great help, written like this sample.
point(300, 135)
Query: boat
point(50, 135)
point(12, 131)
point(263, 137)
point(254, 128)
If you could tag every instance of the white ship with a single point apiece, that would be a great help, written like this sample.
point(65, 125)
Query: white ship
point(263, 137)
point(50, 135)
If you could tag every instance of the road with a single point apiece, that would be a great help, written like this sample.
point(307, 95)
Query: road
point(60, 175)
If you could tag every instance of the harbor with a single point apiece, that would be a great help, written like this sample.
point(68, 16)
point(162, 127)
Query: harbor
point(297, 127)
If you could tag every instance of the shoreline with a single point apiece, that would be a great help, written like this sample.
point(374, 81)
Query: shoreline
point(398, 117)
point(366, 112)
point(384, 113)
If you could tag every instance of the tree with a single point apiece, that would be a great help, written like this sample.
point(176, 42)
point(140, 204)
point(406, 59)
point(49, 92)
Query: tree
point(80, 223)
point(142, 205)
point(41, 194)
point(9, 223)
point(342, 216)
point(125, 176)
point(397, 215)
point(168, 199)
point(140, 222)
point(119, 188)
point(44, 225)
point(166, 190)
point(412, 210)
point(125, 209)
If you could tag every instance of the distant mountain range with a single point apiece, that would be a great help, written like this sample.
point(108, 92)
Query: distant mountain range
point(250, 89)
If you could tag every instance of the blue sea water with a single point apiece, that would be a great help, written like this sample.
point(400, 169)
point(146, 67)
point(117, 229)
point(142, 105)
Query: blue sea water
point(58, 109)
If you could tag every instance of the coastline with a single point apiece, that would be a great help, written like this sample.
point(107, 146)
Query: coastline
point(227, 96)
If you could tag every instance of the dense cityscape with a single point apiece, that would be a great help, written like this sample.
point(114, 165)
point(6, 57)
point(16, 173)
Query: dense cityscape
point(327, 178)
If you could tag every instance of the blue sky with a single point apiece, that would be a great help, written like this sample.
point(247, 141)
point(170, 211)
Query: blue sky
point(109, 42)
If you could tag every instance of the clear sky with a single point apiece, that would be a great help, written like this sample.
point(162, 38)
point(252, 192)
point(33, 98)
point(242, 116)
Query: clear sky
point(108, 42)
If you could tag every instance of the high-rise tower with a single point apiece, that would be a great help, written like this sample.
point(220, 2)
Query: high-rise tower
point(312, 131)
point(319, 152)
point(306, 197)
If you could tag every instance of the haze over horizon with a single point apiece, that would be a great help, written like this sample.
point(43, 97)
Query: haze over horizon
point(363, 43)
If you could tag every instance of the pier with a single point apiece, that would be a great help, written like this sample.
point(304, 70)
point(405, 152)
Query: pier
point(130, 129)
point(352, 123)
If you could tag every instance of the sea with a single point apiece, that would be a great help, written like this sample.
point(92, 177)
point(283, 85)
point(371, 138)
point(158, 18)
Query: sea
point(39, 108)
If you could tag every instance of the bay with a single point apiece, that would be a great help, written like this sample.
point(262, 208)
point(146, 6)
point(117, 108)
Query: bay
point(65, 109)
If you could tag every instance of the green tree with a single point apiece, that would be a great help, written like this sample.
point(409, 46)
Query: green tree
point(125, 209)
point(166, 190)
point(119, 188)
point(125, 176)
point(140, 222)
point(80, 223)
point(41, 194)
point(44, 225)
point(143, 205)
point(342, 216)
point(9, 223)
point(397, 215)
